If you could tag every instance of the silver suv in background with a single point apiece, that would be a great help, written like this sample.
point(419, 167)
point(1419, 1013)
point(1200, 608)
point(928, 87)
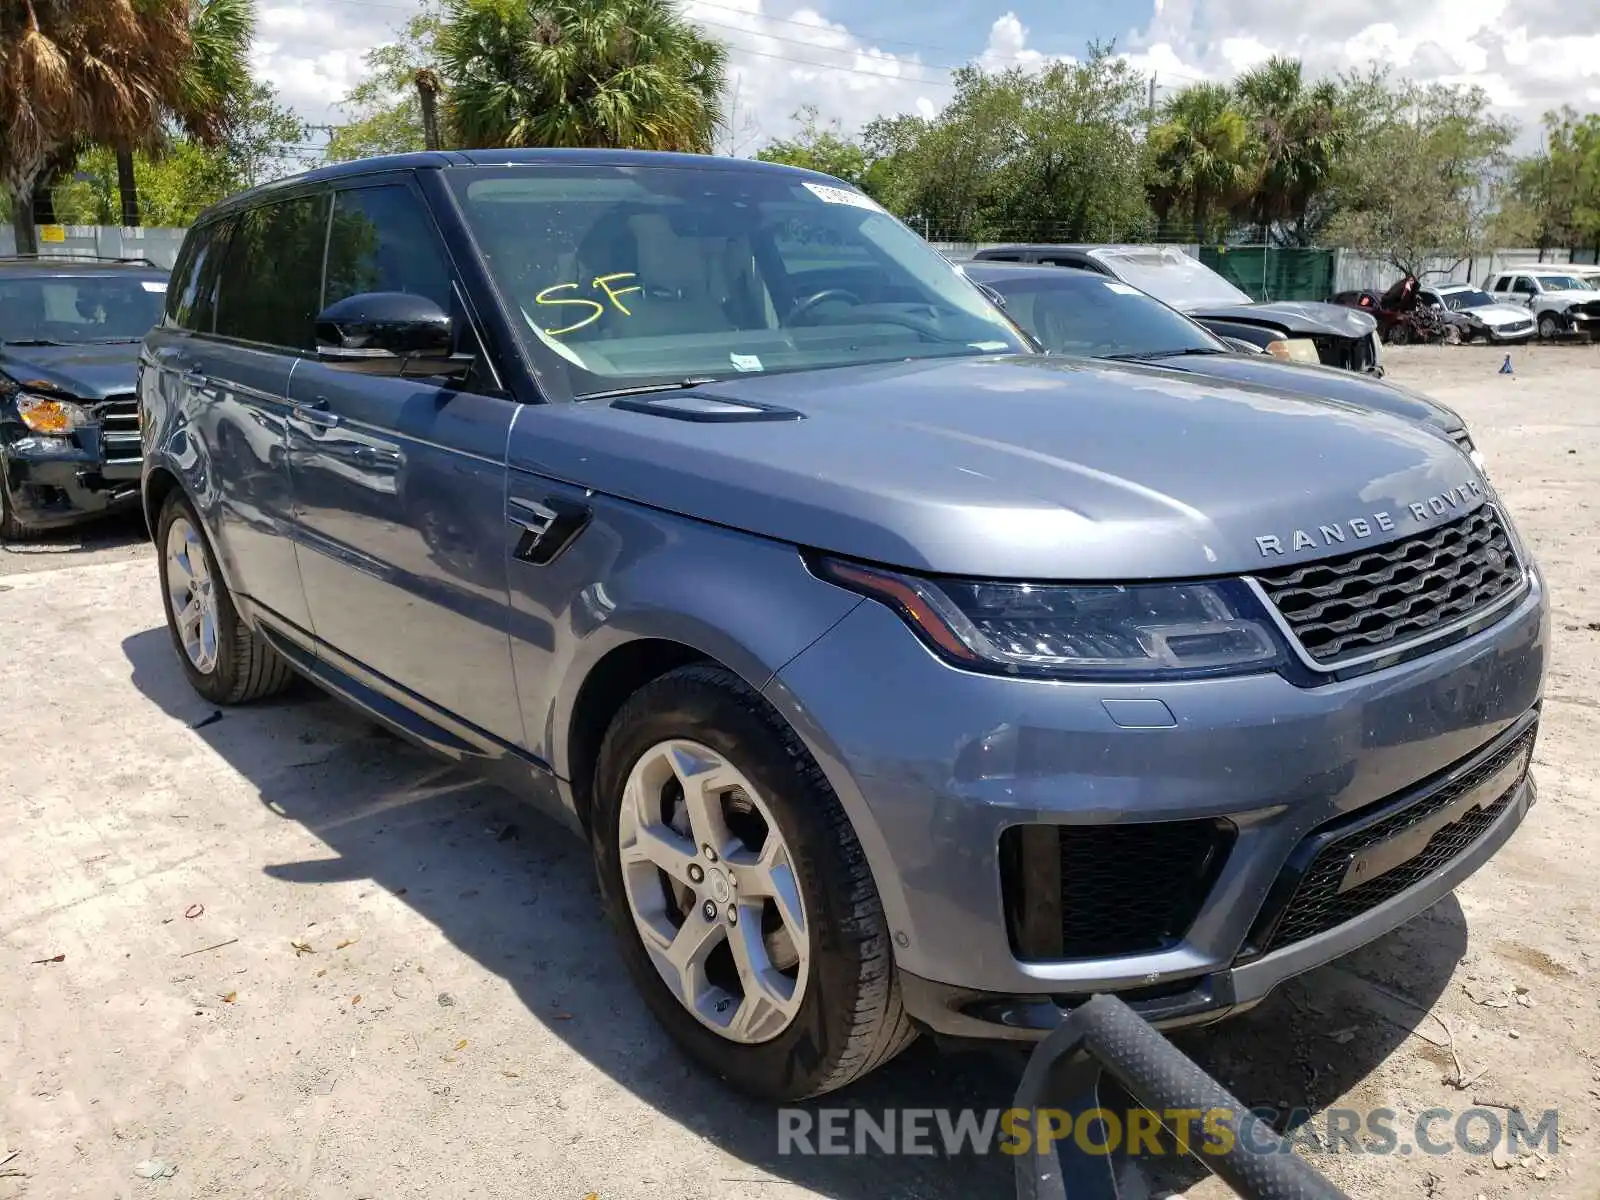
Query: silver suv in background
point(898, 677)
point(1562, 302)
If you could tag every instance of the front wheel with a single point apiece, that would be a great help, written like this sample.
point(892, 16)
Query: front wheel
point(222, 657)
point(741, 898)
point(1549, 327)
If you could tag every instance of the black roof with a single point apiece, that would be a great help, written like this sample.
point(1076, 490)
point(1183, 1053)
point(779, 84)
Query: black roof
point(987, 271)
point(76, 264)
point(445, 159)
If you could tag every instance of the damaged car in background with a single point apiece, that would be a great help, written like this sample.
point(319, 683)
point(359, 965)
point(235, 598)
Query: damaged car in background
point(1307, 331)
point(1073, 312)
point(1561, 302)
point(69, 419)
point(1410, 311)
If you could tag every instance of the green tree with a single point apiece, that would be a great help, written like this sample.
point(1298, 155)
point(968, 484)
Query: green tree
point(1554, 195)
point(819, 146)
point(185, 177)
point(1421, 179)
point(387, 105)
point(1051, 155)
point(1300, 133)
point(1203, 158)
point(613, 73)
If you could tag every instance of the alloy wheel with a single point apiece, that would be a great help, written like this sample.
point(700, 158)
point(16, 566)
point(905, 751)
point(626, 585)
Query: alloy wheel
point(191, 595)
point(712, 890)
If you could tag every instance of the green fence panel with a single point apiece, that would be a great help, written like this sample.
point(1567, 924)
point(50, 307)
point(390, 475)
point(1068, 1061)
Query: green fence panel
point(1273, 273)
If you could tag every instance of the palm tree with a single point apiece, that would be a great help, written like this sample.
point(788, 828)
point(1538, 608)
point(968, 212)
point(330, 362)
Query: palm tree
point(215, 78)
point(1301, 132)
point(1202, 155)
point(75, 72)
point(611, 73)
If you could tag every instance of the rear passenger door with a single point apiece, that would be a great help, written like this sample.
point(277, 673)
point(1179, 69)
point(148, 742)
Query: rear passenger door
point(246, 302)
point(400, 485)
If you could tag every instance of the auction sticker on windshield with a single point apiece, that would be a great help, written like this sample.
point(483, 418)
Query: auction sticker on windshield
point(835, 195)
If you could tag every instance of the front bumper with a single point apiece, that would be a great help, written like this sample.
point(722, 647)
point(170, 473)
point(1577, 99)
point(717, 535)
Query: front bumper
point(934, 764)
point(55, 481)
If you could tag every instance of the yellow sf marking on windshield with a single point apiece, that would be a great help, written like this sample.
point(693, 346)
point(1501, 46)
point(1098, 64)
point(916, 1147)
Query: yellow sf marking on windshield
point(595, 307)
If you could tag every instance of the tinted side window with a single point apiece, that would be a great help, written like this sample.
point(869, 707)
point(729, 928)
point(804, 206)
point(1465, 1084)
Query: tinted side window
point(271, 286)
point(192, 291)
point(383, 241)
point(1524, 286)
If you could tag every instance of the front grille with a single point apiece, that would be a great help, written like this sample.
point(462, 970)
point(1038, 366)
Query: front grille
point(119, 428)
point(1352, 354)
point(1098, 891)
point(1312, 881)
point(1359, 604)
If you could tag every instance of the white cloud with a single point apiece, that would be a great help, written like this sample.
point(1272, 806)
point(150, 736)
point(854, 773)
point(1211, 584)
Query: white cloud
point(1529, 55)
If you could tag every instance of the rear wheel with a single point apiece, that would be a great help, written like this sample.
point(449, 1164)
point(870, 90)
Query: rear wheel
point(741, 898)
point(223, 658)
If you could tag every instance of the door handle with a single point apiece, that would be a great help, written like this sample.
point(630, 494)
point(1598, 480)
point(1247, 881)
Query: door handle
point(314, 413)
point(194, 379)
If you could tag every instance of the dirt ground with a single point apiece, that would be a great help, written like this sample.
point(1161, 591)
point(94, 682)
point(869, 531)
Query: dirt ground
point(300, 959)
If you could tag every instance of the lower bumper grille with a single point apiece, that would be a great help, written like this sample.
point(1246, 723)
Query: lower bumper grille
point(1099, 891)
point(1359, 861)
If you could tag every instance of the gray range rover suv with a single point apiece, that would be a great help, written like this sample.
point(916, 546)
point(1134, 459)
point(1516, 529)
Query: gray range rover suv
point(900, 678)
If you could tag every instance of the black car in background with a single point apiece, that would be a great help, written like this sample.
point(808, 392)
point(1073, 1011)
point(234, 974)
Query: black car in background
point(69, 421)
point(1293, 330)
point(1083, 313)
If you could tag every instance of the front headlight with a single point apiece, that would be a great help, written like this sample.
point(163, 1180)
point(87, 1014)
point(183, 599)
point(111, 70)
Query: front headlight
point(1300, 350)
point(45, 415)
point(1065, 630)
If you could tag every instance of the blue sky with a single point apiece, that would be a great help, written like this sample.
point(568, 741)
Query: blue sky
point(856, 59)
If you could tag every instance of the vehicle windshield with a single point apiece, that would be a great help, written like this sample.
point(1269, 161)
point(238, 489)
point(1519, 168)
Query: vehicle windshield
point(1171, 276)
point(631, 276)
point(1562, 283)
point(1082, 313)
point(102, 306)
point(1472, 298)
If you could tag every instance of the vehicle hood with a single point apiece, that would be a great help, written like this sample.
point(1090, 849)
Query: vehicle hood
point(89, 372)
point(1569, 297)
point(1497, 315)
point(1322, 383)
point(1305, 318)
point(1025, 467)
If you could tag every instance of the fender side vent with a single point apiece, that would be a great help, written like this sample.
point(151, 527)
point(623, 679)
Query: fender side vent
point(706, 409)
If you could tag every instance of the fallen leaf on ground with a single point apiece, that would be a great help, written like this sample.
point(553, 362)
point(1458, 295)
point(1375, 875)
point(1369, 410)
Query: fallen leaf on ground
point(355, 1000)
point(347, 942)
point(194, 910)
point(56, 959)
point(462, 1044)
point(230, 997)
point(511, 1075)
point(302, 948)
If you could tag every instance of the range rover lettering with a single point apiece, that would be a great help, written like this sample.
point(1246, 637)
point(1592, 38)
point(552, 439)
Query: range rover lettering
point(899, 677)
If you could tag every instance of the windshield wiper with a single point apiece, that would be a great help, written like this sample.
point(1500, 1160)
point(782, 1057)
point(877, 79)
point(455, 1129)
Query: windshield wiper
point(1151, 355)
point(30, 342)
point(646, 388)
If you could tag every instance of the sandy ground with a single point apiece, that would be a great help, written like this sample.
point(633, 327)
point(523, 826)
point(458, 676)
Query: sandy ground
point(301, 959)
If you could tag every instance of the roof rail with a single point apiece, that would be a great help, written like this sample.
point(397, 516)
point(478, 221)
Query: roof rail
point(81, 256)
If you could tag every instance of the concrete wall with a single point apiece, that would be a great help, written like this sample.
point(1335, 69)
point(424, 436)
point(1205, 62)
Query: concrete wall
point(1352, 272)
point(160, 246)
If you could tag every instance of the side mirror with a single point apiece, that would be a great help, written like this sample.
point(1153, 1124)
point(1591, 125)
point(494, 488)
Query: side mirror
point(388, 333)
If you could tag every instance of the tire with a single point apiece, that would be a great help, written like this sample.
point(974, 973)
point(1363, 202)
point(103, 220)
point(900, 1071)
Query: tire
point(1399, 335)
point(240, 666)
point(11, 529)
point(849, 1018)
point(1549, 327)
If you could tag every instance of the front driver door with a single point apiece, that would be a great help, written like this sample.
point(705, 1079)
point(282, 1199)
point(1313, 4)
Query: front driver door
point(399, 487)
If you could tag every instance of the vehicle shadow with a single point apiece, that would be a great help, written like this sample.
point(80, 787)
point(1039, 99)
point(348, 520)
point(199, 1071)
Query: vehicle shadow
point(69, 545)
point(464, 854)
